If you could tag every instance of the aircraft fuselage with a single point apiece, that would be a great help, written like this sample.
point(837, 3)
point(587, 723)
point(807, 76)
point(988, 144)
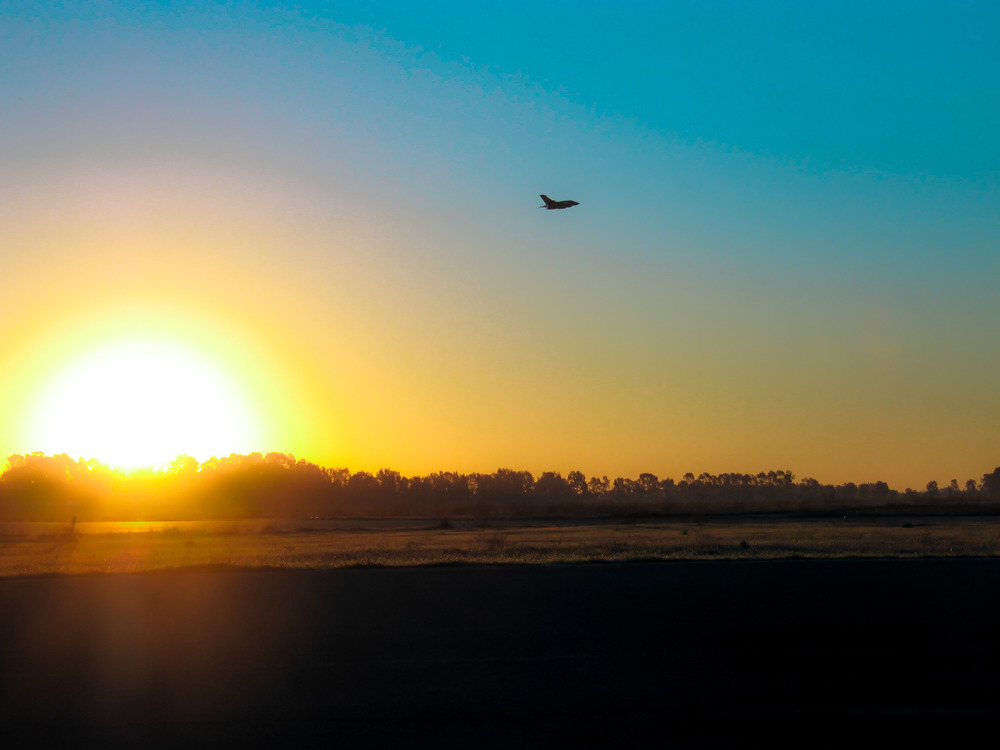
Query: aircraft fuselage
point(552, 205)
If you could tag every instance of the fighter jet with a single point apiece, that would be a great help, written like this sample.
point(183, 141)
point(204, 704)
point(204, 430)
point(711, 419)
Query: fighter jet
point(551, 204)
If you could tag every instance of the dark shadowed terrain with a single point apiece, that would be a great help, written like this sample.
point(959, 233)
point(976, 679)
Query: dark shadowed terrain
point(683, 654)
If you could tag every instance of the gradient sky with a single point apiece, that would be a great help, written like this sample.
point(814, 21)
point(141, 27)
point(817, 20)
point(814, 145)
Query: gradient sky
point(785, 254)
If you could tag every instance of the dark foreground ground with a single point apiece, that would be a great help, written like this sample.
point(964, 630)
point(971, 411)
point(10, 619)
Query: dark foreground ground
point(790, 653)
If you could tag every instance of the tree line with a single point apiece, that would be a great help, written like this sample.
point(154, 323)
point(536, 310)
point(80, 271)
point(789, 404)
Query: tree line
point(38, 487)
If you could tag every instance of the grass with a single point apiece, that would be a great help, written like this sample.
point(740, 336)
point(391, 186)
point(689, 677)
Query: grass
point(257, 545)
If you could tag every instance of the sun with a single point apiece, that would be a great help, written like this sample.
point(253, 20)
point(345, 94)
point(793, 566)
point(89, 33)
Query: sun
point(140, 403)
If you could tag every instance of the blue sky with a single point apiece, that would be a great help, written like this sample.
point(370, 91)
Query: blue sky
point(904, 87)
point(787, 237)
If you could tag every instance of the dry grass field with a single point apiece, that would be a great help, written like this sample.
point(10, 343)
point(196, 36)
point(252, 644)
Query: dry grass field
point(44, 549)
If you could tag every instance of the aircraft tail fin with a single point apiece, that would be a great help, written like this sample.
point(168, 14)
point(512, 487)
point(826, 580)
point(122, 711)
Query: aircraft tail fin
point(548, 201)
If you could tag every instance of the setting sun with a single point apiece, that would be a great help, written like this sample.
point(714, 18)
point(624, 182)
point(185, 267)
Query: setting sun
point(137, 403)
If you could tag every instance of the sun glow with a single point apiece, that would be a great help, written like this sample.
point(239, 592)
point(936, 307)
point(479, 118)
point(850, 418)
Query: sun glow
point(138, 403)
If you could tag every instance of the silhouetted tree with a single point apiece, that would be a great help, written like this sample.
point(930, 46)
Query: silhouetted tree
point(38, 487)
point(452, 490)
point(281, 460)
point(648, 484)
point(183, 466)
point(577, 483)
point(990, 486)
point(362, 490)
point(848, 492)
point(391, 485)
point(337, 477)
point(598, 486)
point(552, 489)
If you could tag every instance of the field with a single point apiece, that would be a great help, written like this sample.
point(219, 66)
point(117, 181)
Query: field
point(41, 549)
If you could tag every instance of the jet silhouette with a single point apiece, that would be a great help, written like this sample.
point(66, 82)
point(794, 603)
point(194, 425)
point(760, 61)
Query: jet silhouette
point(551, 204)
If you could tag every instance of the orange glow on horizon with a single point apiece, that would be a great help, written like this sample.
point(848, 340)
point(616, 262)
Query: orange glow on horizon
point(134, 388)
point(137, 403)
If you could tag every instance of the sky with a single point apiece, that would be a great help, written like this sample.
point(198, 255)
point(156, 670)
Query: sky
point(323, 216)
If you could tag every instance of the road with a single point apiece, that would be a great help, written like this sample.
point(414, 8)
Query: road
point(676, 654)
